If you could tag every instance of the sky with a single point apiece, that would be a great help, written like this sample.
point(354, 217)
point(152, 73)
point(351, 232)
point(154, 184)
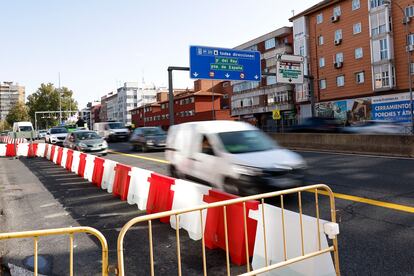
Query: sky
point(97, 45)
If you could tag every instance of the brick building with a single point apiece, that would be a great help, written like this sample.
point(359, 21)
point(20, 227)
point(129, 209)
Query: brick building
point(356, 51)
point(189, 106)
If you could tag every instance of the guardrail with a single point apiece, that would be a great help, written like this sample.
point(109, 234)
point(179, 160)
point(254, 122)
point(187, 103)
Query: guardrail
point(61, 231)
point(224, 204)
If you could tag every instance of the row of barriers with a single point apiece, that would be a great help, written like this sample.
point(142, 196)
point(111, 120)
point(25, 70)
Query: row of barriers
point(11, 140)
point(245, 228)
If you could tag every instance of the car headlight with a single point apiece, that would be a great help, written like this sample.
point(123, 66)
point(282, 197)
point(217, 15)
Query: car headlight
point(104, 144)
point(150, 142)
point(82, 145)
point(243, 170)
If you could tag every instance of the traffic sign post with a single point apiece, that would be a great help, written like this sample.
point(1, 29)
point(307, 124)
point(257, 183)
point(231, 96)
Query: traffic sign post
point(224, 64)
point(289, 69)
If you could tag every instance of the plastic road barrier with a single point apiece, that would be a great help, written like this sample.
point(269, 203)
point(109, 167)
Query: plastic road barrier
point(82, 163)
point(10, 150)
point(75, 161)
point(139, 187)
point(98, 170)
point(58, 159)
point(22, 149)
point(41, 149)
point(64, 157)
point(214, 233)
point(160, 196)
point(32, 152)
point(319, 265)
point(89, 164)
point(69, 160)
point(52, 152)
point(47, 151)
point(108, 175)
point(3, 149)
point(189, 194)
point(121, 181)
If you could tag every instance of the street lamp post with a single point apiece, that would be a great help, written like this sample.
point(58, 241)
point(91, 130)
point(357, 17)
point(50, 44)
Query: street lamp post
point(409, 61)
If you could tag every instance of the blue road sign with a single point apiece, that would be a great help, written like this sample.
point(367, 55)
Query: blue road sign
point(224, 64)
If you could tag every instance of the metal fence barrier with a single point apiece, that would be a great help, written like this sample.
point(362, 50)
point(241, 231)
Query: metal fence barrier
point(316, 189)
point(61, 231)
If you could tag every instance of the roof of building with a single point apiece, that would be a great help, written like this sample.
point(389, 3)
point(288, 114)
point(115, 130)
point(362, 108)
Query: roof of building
point(315, 8)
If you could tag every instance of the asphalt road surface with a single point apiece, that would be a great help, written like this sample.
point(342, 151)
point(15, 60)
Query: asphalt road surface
point(373, 240)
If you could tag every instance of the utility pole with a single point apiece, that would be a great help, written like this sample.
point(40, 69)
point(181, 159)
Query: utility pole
point(60, 103)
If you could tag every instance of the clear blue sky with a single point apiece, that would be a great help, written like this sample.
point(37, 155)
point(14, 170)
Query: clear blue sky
point(96, 44)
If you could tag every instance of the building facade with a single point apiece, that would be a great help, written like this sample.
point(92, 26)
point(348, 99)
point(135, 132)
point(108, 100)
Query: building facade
point(359, 54)
point(10, 94)
point(255, 101)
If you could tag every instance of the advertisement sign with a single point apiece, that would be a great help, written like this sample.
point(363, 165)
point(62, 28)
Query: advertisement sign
point(395, 107)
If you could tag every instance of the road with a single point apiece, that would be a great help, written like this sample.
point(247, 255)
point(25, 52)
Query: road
point(374, 239)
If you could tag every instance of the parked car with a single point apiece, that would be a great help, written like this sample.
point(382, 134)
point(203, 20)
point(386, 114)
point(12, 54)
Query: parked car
point(56, 135)
point(86, 141)
point(318, 124)
point(41, 134)
point(112, 131)
point(233, 156)
point(146, 138)
point(375, 127)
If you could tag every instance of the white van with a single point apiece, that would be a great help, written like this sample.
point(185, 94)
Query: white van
point(112, 131)
point(232, 156)
point(22, 127)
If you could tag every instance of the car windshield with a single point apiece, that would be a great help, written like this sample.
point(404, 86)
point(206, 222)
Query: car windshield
point(25, 128)
point(246, 141)
point(58, 130)
point(87, 135)
point(115, 125)
point(153, 131)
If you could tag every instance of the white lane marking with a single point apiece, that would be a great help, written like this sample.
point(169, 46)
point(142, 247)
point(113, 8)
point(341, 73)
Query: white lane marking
point(56, 215)
point(49, 205)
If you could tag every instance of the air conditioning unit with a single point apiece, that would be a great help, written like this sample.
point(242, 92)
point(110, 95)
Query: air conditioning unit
point(406, 20)
point(410, 48)
point(338, 64)
point(338, 41)
point(335, 18)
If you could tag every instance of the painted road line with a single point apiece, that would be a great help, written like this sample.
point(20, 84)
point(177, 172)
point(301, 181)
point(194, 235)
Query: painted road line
point(373, 202)
point(383, 204)
point(141, 157)
point(353, 154)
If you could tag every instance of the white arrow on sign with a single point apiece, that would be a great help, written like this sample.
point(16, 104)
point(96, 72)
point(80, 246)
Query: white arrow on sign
point(195, 74)
point(227, 75)
point(256, 77)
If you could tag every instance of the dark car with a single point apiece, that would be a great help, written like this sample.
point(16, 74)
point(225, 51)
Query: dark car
point(146, 138)
point(318, 125)
point(86, 141)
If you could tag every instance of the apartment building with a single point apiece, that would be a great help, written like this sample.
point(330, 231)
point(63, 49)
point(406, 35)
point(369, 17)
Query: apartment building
point(10, 94)
point(255, 101)
point(112, 107)
point(357, 53)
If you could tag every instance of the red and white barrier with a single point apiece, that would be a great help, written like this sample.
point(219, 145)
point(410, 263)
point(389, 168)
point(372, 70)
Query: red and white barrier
point(64, 157)
point(188, 194)
point(139, 187)
point(108, 175)
point(3, 149)
point(75, 161)
point(89, 164)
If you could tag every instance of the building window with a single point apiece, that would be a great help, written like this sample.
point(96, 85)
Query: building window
point(412, 68)
point(271, 80)
point(338, 34)
point(355, 4)
point(302, 51)
point(339, 57)
point(357, 28)
point(251, 48)
point(319, 18)
point(320, 40)
point(322, 84)
point(321, 62)
point(383, 48)
point(409, 11)
point(378, 24)
point(376, 3)
point(340, 81)
point(337, 11)
point(410, 39)
point(358, 53)
point(360, 77)
point(270, 43)
point(382, 76)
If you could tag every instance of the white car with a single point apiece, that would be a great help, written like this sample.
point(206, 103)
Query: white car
point(375, 127)
point(232, 156)
point(56, 135)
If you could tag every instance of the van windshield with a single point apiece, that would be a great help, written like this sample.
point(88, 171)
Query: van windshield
point(246, 141)
point(115, 125)
point(153, 131)
point(25, 128)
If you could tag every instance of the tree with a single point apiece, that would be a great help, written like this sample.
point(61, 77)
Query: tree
point(4, 125)
point(46, 98)
point(17, 113)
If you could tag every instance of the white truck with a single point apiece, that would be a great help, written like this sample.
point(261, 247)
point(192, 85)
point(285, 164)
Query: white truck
point(112, 131)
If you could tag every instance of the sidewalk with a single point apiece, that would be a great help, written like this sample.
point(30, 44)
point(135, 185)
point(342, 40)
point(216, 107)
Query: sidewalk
point(25, 204)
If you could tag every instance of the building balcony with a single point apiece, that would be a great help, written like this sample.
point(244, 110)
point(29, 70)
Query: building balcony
point(261, 109)
point(265, 90)
point(281, 49)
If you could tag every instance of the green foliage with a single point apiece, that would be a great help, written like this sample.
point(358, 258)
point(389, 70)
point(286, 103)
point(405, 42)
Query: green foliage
point(17, 113)
point(4, 125)
point(46, 98)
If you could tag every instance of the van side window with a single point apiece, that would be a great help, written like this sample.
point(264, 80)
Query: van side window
point(206, 147)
